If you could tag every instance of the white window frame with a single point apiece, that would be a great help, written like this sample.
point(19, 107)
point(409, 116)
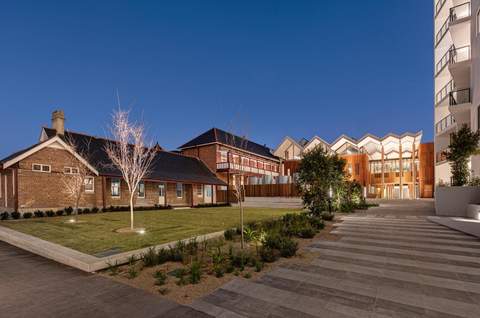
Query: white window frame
point(1, 192)
point(112, 181)
point(223, 156)
point(161, 190)
point(69, 170)
point(93, 184)
point(177, 189)
point(138, 190)
point(41, 168)
point(208, 190)
point(199, 190)
point(6, 190)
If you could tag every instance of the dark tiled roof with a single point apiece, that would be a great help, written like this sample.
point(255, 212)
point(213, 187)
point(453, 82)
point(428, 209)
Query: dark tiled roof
point(226, 138)
point(166, 166)
point(18, 153)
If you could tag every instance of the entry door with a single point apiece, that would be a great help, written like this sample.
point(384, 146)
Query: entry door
point(161, 194)
point(406, 192)
point(396, 192)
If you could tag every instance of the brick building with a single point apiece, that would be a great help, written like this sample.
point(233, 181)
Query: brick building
point(234, 158)
point(32, 178)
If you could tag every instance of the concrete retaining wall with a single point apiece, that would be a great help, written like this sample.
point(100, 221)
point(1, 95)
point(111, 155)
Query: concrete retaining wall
point(454, 201)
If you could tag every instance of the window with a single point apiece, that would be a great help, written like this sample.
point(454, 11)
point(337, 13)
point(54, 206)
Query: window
point(89, 185)
point(141, 189)
point(70, 170)
point(208, 191)
point(179, 190)
point(357, 169)
point(200, 190)
point(161, 190)
point(223, 156)
point(115, 187)
point(41, 168)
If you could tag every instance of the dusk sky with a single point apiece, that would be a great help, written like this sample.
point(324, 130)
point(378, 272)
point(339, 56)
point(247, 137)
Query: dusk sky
point(264, 68)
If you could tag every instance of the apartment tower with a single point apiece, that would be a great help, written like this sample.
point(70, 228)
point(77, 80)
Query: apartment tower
point(456, 77)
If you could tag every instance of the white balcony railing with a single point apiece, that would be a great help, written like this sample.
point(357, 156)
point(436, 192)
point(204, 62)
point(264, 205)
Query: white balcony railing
point(460, 12)
point(444, 124)
point(239, 167)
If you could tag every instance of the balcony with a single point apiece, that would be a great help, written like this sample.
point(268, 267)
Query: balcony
point(225, 166)
point(460, 97)
point(445, 125)
point(444, 92)
point(459, 61)
point(459, 13)
point(438, 6)
point(443, 62)
point(441, 33)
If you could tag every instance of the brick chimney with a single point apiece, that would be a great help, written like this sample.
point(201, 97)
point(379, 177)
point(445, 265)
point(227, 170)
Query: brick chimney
point(58, 121)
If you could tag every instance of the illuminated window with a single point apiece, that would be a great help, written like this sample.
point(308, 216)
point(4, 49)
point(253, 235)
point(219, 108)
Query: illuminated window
point(115, 187)
point(141, 189)
point(89, 185)
point(199, 190)
point(179, 190)
point(208, 191)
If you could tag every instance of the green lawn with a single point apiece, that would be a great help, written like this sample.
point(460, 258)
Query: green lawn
point(97, 232)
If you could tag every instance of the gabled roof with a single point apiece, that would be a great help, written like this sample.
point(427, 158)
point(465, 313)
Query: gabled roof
point(319, 140)
point(166, 166)
point(56, 140)
point(216, 135)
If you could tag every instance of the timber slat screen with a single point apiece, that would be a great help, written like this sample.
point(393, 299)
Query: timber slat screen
point(222, 196)
point(271, 190)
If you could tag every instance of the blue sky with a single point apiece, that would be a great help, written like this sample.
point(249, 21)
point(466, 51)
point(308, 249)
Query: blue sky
point(263, 68)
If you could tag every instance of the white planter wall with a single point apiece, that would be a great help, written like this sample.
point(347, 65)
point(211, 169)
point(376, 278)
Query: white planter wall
point(454, 201)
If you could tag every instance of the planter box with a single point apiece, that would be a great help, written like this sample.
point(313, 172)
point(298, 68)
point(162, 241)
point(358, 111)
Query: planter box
point(454, 201)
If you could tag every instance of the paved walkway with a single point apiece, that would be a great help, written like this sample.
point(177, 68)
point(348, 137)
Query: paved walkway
point(389, 262)
point(32, 286)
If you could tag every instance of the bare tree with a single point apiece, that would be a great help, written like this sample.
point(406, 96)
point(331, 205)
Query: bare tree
point(75, 175)
point(129, 152)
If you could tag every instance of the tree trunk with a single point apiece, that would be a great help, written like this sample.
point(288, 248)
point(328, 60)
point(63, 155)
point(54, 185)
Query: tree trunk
point(131, 212)
point(241, 215)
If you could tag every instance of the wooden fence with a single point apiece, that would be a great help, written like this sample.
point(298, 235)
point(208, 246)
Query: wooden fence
point(271, 190)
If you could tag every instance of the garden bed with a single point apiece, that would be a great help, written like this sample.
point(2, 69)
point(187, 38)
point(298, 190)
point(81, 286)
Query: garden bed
point(144, 273)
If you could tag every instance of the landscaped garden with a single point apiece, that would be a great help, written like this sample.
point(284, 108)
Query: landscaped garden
point(96, 232)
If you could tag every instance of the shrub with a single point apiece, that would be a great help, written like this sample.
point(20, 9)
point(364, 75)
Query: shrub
point(247, 275)
point(150, 258)
point(15, 215)
point(327, 216)
point(27, 215)
point(79, 211)
point(4, 216)
point(86, 211)
point(132, 271)
point(180, 274)
point(229, 234)
point(258, 266)
point(104, 210)
point(287, 246)
point(307, 231)
point(163, 256)
point(195, 272)
point(268, 254)
point(113, 268)
point(69, 210)
point(39, 214)
point(160, 278)
point(95, 210)
point(59, 212)
point(192, 246)
point(50, 213)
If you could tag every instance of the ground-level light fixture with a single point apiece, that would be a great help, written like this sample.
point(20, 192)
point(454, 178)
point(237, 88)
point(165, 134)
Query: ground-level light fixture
point(141, 231)
point(71, 221)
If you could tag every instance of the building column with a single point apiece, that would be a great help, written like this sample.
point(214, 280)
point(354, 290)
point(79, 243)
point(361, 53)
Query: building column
point(400, 161)
point(414, 172)
point(382, 195)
